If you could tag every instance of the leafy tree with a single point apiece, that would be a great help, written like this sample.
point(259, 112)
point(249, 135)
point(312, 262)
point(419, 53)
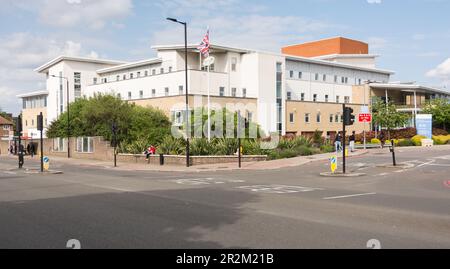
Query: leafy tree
point(387, 116)
point(440, 109)
point(137, 126)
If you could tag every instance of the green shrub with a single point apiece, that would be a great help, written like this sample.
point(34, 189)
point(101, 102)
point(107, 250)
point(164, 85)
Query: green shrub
point(171, 146)
point(303, 151)
point(252, 147)
point(201, 147)
point(417, 140)
point(327, 148)
point(441, 139)
point(224, 146)
point(405, 143)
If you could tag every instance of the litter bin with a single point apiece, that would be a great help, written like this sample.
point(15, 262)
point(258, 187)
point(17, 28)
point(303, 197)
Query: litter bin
point(161, 159)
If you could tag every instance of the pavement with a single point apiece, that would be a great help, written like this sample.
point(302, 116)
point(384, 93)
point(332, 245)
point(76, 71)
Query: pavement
point(262, 165)
point(287, 207)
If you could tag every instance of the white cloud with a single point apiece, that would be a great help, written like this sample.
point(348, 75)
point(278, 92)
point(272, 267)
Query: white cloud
point(442, 71)
point(95, 14)
point(374, 1)
point(377, 42)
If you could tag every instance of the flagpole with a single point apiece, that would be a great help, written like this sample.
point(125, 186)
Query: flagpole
point(209, 99)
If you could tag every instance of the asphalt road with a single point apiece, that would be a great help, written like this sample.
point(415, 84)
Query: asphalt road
point(284, 208)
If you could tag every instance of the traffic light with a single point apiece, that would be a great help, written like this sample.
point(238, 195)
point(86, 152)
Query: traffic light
point(40, 122)
point(349, 118)
point(19, 125)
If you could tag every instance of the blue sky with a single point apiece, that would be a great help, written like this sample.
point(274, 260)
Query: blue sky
point(411, 36)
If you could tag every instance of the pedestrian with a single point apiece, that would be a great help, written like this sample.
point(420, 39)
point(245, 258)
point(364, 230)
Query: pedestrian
point(151, 150)
point(337, 142)
point(382, 140)
point(11, 150)
point(28, 149)
point(352, 140)
point(32, 150)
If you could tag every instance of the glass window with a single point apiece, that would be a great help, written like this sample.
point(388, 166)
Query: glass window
point(124, 77)
point(138, 74)
point(146, 73)
point(244, 92)
point(326, 98)
point(95, 81)
point(347, 99)
point(161, 70)
point(300, 75)
point(154, 72)
point(291, 117)
point(59, 144)
point(324, 77)
point(302, 96)
point(316, 77)
point(129, 95)
point(85, 144)
point(141, 94)
point(77, 84)
point(331, 118)
point(170, 69)
point(307, 117)
point(222, 91)
point(153, 92)
point(318, 117)
point(131, 75)
point(315, 98)
point(337, 98)
point(180, 90)
point(336, 118)
point(233, 92)
point(289, 95)
point(166, 91)
point(335, 79)
point(117, 78)
point(233, 64)
point(291, 74)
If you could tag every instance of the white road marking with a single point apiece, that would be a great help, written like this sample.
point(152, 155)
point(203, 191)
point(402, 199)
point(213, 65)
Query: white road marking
point(383, 174)
point(348, 196)
point(439, 164)
point(278, 189)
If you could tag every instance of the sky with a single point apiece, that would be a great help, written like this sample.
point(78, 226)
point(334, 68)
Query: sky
point(411, 36)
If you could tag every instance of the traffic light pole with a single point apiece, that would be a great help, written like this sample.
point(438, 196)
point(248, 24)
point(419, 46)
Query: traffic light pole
point(41, 129)
point(343, 139)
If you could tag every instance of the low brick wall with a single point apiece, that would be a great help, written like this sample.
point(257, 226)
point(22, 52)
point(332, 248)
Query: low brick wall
point(194, 160)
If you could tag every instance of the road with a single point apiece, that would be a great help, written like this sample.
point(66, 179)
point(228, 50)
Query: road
point(285, 208)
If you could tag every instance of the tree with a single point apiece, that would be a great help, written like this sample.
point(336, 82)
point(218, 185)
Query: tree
point(138, 127)
point(387, 116)
point(440, 109)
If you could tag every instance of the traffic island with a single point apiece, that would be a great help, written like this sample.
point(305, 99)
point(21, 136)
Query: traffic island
point(398, 166)
point(38, 171)
point(341, 174)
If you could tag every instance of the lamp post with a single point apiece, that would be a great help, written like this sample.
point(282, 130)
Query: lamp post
point(68, 113)
point(186, 76)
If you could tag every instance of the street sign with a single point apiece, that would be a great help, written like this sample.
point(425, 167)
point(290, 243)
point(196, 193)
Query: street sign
point(333, 163)
point(424, 125)
point(364, 110)
point(365, 117)
point(46, 161)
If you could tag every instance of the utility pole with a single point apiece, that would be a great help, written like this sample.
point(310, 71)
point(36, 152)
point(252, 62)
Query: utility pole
point(239, 138)
point(343, 138)
point(40, 127)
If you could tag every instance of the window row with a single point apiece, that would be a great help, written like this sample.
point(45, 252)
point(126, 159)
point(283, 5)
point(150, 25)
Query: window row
point(323, 77)
point(138, 74)
point(315, 98)
point(34, 102)
point(333, 118)
point(181, 92)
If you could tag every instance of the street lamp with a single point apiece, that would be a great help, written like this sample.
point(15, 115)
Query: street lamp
point(68, 114)
point(186, 74)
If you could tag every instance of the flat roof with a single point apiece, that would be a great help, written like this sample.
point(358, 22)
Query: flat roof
point(408, 86)
point(349, 66)
point(58, 59)
point(195, 46)
point(331, 56)
point(31, 94)
point(129, 65)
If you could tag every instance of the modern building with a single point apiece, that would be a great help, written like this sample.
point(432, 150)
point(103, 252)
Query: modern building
point(32, 105)
point(298, 91)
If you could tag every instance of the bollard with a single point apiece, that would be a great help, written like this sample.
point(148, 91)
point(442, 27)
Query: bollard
point(161, 159)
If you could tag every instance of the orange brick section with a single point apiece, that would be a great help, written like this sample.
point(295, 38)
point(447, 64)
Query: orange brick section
point(338, 45)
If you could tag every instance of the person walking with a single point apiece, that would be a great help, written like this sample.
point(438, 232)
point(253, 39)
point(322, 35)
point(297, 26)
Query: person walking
point(337, 142)
point(28, 149)
point(32, 150)
point(352, 139)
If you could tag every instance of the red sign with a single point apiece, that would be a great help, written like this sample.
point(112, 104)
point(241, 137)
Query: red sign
point(365, 117)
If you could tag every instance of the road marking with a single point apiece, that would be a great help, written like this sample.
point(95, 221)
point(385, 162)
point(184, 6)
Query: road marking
point(348, 196)
point(10, 173)
point(277, 189)
point(194, 181)
point(383, 174)
point(440, 164)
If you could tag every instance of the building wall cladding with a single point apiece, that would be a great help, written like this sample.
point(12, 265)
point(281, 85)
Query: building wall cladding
point(29, 119)
point(299, 126)
point(337, 45)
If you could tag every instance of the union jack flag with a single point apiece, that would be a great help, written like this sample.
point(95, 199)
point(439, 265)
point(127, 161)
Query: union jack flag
point(205, 45)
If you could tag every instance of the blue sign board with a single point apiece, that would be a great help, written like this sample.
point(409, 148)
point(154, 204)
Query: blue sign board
point(424, 125)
